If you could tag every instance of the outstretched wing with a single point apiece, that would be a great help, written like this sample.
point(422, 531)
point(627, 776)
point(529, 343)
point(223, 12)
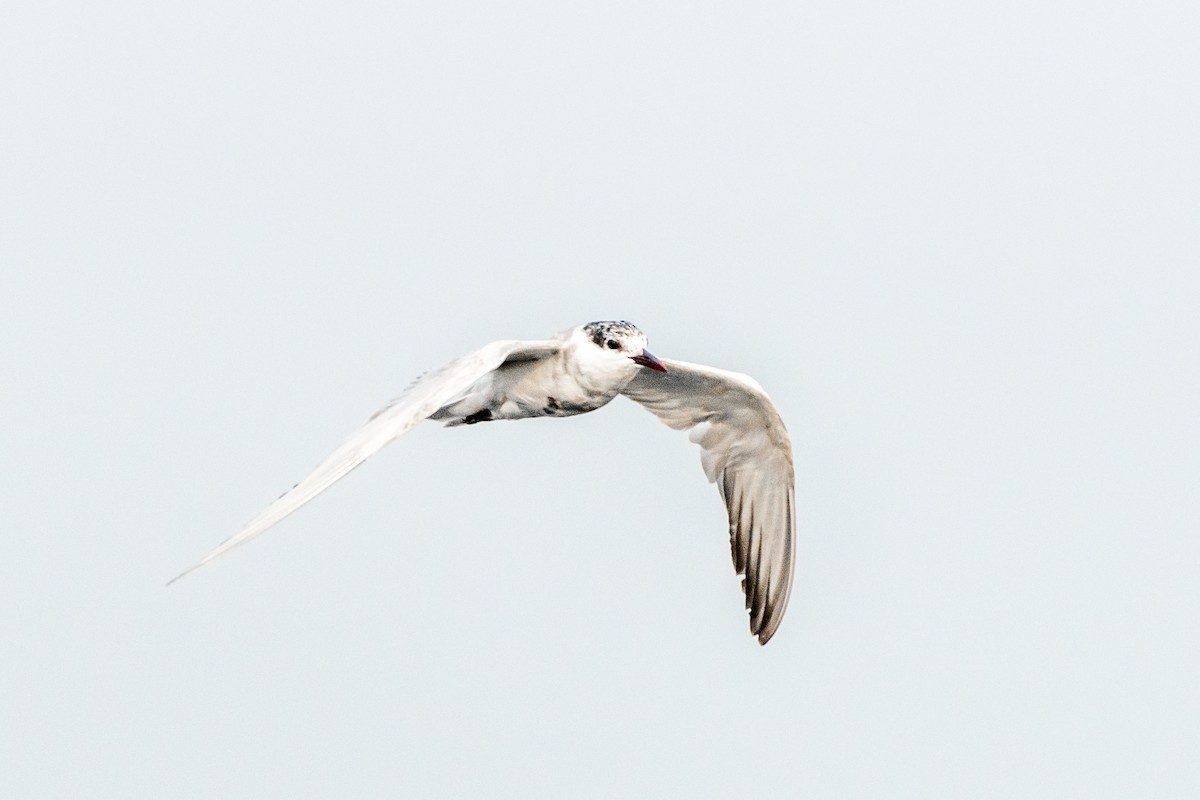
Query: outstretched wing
point(425, 396)
point(746, 451)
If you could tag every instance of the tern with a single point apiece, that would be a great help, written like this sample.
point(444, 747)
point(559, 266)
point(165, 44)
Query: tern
point(744, 447)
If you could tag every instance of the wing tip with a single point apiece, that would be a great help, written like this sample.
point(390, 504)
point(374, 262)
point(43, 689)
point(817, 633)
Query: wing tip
point(766, 630)
point(186, 572)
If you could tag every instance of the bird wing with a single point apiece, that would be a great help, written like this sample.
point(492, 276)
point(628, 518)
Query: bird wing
point(746, 451)
point(425, 396)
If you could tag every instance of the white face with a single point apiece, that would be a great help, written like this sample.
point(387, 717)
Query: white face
point(625, 344)
point(619, 344)
point(616, 337)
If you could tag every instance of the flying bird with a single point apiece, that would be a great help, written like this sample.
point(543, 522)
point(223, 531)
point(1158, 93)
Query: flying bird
point(744, 446)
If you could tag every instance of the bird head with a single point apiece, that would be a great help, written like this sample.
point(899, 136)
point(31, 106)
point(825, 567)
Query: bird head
point(624, 340)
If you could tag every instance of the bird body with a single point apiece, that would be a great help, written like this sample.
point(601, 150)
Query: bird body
point(571, 377)
point(744, 445)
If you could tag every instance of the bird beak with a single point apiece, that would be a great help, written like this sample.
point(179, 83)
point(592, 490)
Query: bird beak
point(648, 359)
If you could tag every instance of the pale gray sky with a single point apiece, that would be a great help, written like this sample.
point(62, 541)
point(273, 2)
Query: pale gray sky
point(958, 244)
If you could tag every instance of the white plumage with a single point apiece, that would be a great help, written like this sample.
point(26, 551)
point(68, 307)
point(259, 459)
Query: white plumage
point(744, 446)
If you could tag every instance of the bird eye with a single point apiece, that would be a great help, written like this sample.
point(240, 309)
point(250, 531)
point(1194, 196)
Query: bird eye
point(613, 344)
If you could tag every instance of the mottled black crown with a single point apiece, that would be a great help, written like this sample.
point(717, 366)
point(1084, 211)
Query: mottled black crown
point(601, 331)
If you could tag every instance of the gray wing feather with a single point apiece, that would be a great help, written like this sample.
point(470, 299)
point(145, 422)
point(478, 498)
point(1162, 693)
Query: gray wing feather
point(745, 450)
point(425, 396)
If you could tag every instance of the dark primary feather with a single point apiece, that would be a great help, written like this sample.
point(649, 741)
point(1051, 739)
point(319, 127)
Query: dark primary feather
point(746, 451)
